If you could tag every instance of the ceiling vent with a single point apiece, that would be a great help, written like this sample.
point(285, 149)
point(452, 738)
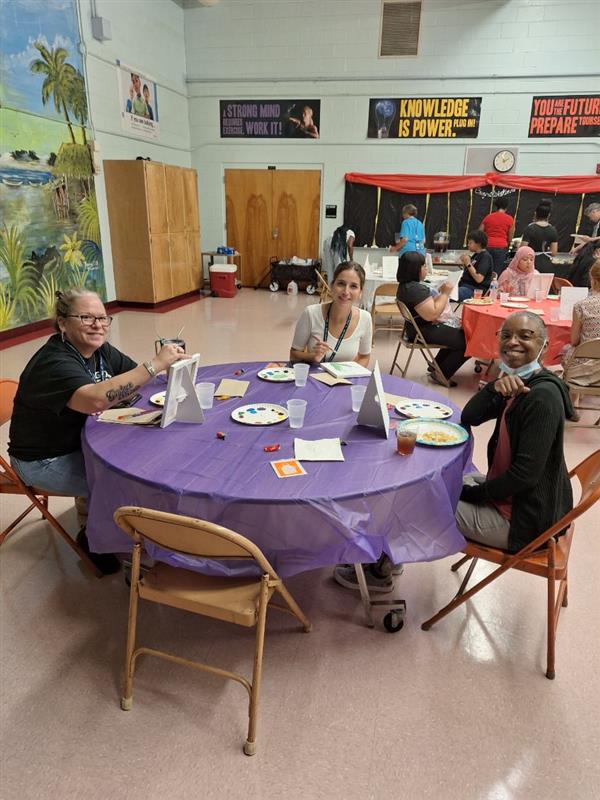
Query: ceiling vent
point(400, 23)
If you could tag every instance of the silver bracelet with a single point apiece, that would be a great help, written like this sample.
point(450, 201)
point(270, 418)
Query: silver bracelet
point(150, 367)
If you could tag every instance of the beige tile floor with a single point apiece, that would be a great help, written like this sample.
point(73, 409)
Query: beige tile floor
point(463, 711)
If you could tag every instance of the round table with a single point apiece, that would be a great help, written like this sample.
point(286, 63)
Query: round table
point(339, 512)
point(481, 324)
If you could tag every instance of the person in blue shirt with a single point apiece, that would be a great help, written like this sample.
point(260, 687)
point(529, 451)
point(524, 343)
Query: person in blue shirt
point(412, 233)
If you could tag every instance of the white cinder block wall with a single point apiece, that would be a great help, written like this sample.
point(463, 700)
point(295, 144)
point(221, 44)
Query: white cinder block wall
point(504, 50)
point(147, 35)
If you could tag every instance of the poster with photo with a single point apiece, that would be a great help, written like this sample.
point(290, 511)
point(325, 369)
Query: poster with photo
point(138, 102)
point(270, 119)
point(565, 116)
point(424, 118)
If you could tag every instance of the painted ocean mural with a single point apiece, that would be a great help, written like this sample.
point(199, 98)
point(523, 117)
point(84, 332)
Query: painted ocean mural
point(49, 229)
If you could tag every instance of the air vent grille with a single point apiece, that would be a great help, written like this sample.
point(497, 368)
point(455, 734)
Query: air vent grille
point(400, 22)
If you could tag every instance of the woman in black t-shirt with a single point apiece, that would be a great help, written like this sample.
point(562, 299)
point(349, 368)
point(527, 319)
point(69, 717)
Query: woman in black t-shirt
point(68, 379)
point(427, 310)
point(541, 236)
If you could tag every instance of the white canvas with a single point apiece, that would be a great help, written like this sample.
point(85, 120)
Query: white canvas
point(569, 295)
point(373, 411)
point(181, 400)
point(541, 282)
point(390, 267)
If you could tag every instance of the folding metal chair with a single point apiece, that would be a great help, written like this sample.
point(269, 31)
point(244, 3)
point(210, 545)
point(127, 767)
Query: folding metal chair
point(547, 556)
point(558, 283)
point(588, 350)
point(241, 601)
point(11, 483)
point(389, 310)
point(419, 344)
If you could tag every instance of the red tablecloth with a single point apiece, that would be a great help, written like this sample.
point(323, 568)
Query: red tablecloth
point(482, 323)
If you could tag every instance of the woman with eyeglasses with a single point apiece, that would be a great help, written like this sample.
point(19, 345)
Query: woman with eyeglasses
point(75, 374)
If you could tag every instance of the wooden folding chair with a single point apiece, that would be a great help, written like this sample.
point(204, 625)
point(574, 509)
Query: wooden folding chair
point(242, 601)
point(557, 285)
point(389, 310)
point(324, 288)
point(11, 483)
point(419, 344)
point(547, 556)
point(588, 350)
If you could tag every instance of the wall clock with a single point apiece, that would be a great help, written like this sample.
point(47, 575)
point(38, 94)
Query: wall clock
point(504, 161)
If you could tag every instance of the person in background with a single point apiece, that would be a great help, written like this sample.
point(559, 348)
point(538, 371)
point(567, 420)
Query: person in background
point(336, 331)
point(527, 488)
point(412, 233)
point(305, 126)
point(75, 374)
point(138, 105)
point(516, 278)
point(499, 227)
point(427, 311)
point(586, 326)
point(478, 266)
point(592, 212)
point(339, 248)
point(540, 235)
point(579, 274)
point(149, 112)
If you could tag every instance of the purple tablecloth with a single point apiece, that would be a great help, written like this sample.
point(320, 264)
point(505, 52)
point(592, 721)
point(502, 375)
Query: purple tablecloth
point(375, 501)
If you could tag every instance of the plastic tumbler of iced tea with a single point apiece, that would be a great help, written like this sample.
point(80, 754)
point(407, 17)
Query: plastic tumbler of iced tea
point(477, 294)
point(405, 441)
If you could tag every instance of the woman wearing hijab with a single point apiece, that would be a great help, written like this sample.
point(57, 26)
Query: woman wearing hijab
point(516, 278)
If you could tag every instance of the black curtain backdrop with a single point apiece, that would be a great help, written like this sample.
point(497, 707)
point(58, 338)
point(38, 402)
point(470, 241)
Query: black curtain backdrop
point(456, 212)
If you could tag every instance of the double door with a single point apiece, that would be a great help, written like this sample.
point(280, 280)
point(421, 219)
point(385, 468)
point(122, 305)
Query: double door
point(272, 214)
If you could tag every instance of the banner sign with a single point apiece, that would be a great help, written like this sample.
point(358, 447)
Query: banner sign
point(270, 119)
point(424, 118)
point(138, 101)
point(565, 115)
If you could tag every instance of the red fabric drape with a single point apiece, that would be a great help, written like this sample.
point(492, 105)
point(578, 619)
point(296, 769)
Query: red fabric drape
point(441, 184)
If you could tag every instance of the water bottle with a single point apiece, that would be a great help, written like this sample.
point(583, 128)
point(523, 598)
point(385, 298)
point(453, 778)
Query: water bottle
point(493, 295)
point(292, 287)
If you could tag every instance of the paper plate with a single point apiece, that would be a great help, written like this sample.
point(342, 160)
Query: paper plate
point(423, 409)
point(538, 311)
point(484, 301)
point(435, 434)
point(158, 399)
point(517, 299)
point(277, 374)
point(514, 305)
point(259, 414)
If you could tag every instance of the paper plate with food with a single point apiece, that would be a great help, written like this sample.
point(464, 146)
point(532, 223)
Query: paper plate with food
point(158, 399)
point(479, 301)
point(434, 433)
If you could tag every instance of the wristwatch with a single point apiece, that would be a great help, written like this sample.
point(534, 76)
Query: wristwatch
point(150, 367)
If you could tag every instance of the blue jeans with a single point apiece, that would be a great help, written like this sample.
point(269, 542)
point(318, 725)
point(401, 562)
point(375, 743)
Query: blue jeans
point(498, 255)
point(60, 475)
point(465, 292)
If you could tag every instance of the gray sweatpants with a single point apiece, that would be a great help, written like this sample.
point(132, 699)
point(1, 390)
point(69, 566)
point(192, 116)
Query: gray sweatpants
point(481, 522)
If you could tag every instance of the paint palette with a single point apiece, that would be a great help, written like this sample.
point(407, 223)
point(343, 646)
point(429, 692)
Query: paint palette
point(434, 433)
point(277, 374)
point(423, 409)
point(158, 399)
point(259, 414)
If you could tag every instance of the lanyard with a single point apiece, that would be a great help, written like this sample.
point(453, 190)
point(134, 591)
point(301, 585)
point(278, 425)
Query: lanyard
point(96, 377)
point(342, 334)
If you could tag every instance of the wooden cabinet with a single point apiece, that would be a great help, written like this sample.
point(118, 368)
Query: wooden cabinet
point(154, 230)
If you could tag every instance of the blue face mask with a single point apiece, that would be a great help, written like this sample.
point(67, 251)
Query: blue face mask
point(525, 370)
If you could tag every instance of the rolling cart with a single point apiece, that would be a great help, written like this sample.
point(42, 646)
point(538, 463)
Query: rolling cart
point(282, 272)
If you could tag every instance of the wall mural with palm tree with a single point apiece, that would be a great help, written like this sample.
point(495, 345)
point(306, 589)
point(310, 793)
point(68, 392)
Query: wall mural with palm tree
point(49, 228)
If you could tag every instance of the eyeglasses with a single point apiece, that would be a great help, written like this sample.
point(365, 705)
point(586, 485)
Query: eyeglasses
point(87, 320)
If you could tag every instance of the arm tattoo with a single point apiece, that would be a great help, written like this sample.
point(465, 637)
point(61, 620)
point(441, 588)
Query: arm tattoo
point(121, 392)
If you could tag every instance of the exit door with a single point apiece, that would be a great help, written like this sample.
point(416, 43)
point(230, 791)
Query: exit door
point(272, 214)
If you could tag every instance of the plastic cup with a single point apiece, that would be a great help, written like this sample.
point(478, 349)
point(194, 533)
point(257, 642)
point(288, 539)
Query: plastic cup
point(539, 295)
point(205, 392)
point(477, 294)
point(296, 411)
point(405, 441)
point(554, 314)
point(504, 297)
point(357, 393)
point(301, 374)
